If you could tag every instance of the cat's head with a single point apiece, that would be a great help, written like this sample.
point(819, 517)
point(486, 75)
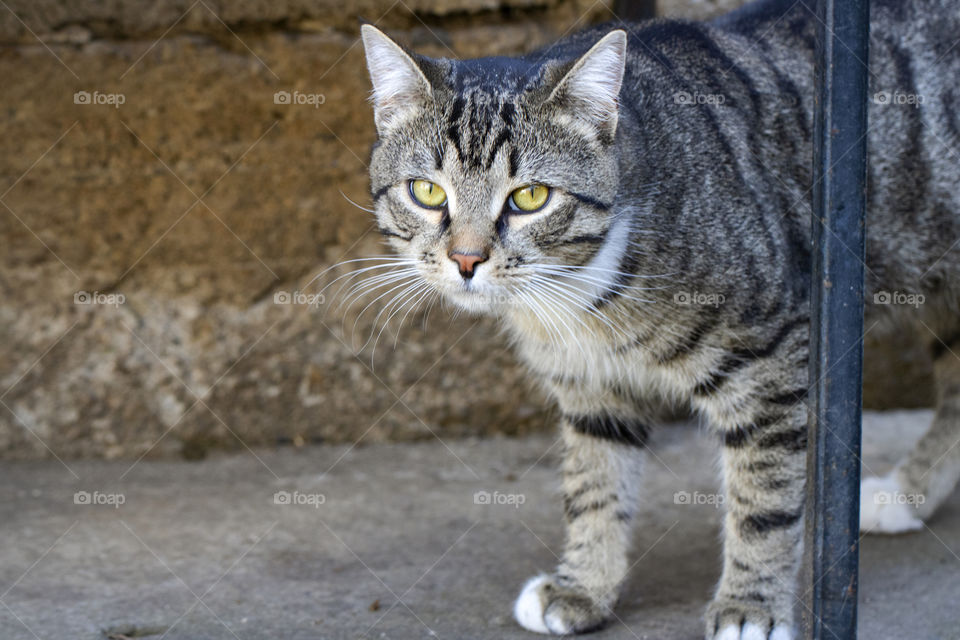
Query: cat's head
point(491, 173)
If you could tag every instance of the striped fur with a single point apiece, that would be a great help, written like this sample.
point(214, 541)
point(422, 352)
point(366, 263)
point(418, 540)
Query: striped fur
point(672, 260)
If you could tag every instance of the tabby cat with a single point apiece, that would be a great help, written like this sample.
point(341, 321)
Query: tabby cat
point(634, 204)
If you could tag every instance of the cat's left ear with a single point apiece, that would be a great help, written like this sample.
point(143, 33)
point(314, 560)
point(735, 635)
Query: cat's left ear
point(590, 90)
point(399, 86)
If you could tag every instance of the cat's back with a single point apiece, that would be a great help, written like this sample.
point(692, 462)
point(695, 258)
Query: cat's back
point(774, 32)
point(913, 135)
point(736, 96)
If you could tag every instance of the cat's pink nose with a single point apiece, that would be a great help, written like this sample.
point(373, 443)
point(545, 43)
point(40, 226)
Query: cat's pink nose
point(467, 262)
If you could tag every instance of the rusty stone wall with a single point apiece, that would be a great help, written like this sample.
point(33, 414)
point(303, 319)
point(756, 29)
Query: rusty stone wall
point(172, 174)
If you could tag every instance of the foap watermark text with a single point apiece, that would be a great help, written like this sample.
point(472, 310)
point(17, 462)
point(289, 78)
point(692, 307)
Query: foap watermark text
point(99, 498)
point(902, 298)
point(897, 98)
point(299, 98)
point(98, 98)
point(698, 498)
point(895, 497)
point(299, 298)
point(97, 298)
point(497, 498)
point(685, 97)
point(299, 499)
point(699, 298)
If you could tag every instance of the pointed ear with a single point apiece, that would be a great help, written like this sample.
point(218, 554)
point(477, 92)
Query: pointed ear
point(399, 86)
point(590, 90)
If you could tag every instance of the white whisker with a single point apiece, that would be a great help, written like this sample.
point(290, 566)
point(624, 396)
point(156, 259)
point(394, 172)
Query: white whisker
point(603, 285)
point(398, 302)
point(378, 298)
point(388, 261)
point(429, 291)
point(569, 294)
point(615, 272)
point(372, 282)
point(355, 204)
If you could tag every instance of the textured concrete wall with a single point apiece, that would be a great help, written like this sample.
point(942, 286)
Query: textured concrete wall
point(198, 200)
point(144, 158)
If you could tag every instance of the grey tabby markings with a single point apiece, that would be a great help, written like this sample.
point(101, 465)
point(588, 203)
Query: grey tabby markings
point(678, 158)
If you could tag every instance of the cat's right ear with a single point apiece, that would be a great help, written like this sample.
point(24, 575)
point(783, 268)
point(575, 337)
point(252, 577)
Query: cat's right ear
point(399, 86)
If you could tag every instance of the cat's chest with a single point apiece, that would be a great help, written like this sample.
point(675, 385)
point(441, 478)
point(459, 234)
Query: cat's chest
point(585, 374)
point(598, 366)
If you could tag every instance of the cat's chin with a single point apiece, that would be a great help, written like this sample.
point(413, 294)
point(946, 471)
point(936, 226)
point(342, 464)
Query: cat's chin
point(474, 302)
point(471, 304)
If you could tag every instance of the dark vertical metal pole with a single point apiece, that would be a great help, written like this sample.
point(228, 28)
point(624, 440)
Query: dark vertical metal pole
point(836, 332)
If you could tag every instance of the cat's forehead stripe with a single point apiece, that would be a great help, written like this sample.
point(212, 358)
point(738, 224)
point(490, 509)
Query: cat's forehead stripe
point(479, 125)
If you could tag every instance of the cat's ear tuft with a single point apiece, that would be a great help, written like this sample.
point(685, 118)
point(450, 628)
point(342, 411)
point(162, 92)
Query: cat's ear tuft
point(399, 86)
point(591, 89)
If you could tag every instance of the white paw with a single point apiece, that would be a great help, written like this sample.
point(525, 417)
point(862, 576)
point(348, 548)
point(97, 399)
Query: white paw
point(556, 624)
point(751, 631)
point(883, 508)
point(546, 607)
point(781, 632)
point(528, 609)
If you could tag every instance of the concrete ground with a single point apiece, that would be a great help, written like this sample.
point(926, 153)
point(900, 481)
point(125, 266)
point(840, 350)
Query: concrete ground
point(389, 541)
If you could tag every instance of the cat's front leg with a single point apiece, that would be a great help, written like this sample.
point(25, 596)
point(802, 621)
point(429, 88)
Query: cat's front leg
point(601, 462)
point(764, 468)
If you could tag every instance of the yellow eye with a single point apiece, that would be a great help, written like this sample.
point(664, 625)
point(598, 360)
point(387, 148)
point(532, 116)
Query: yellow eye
point(530, 198)
point(427, 194)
